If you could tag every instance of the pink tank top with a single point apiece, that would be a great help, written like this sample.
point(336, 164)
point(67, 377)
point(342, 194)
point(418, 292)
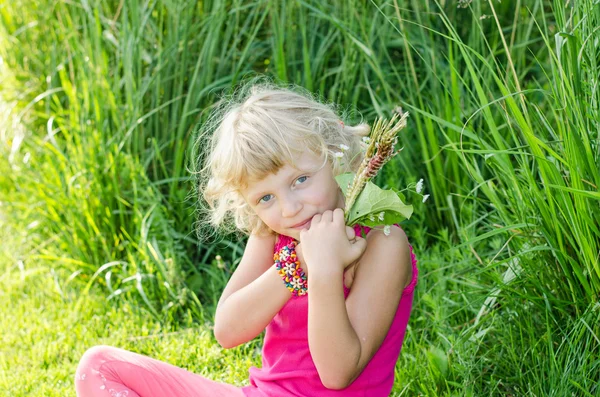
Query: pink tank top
point(288, 368)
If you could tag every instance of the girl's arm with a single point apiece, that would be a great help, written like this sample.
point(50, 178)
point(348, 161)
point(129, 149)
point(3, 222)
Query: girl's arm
point(252, 297)
point(344, 335)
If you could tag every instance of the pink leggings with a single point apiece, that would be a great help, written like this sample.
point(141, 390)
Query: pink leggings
point(109, 371)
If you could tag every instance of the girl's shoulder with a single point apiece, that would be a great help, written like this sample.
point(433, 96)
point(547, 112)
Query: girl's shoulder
point(389, 251)
point(256, 259)
point(257, 250)
point(266, 243)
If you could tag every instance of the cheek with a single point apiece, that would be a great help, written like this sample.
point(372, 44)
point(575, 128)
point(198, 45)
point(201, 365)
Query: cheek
point(320, 198)
point(270, 217)
point(324, 198)
point(334, 194)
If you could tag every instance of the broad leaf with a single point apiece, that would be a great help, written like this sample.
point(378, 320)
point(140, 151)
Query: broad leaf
point(371, 202)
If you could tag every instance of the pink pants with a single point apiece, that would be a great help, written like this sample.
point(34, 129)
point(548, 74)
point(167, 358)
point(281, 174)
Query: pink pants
point(109, 371)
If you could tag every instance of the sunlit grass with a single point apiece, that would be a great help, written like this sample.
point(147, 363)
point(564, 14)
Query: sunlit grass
point(50, 324)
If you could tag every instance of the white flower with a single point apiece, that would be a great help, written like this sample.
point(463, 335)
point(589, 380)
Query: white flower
point(296, 283)
point(381, 215)
point(386, 230)
point(365, 142)
point(371, 218)
point(425, 197)
point(283, 255)
point(290, 267)
point(338, 154)
point(420, 185)
point(344, 147)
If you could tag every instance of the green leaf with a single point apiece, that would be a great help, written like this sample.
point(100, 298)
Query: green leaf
point(371, 202)
point(344, 180)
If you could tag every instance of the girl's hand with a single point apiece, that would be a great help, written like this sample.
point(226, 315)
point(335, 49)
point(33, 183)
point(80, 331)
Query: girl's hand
point(329, 244)
point(350, 270)
point(349, 275)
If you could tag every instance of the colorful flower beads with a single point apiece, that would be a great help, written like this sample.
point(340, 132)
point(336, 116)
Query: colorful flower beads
point(289, 269)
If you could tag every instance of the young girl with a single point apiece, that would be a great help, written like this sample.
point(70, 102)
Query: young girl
point(335, 322)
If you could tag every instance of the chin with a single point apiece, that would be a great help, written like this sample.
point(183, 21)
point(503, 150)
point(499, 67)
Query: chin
point(294, 233)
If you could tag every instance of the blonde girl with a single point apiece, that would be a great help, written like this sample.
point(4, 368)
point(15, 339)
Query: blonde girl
point(336, 319)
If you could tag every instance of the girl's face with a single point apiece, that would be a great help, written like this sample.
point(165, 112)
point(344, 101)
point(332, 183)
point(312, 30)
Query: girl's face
point(286, 200)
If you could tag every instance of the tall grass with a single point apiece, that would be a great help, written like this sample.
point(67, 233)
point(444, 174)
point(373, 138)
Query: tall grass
point(507, 117)
point(539, 170)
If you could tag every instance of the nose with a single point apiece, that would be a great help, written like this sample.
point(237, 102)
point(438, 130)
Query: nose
point(290, 206)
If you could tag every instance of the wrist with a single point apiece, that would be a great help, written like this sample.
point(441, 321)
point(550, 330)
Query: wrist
point(332, 271)
point(325, 281)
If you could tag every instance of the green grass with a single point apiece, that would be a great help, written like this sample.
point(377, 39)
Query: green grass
point(44, 334)
point(49, 323)
point(100, 103)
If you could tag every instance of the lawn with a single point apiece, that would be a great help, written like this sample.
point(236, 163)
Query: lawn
point(47, 323)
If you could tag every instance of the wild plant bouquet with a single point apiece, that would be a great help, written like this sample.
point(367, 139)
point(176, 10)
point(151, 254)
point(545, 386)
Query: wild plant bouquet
point(366, 203)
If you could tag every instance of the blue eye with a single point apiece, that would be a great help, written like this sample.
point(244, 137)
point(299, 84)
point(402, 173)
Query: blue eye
point(260, 201)
point(302, 177)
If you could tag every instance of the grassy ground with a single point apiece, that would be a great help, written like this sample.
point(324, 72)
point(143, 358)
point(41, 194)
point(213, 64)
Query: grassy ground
point(49, 324)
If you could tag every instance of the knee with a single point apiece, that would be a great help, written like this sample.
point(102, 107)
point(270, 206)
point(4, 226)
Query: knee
point(94, 357)
point(89, 381)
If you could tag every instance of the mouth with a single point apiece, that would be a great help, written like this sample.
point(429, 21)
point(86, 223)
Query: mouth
point(301, 225)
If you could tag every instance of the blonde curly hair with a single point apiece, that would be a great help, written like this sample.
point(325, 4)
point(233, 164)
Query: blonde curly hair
point(255, 132)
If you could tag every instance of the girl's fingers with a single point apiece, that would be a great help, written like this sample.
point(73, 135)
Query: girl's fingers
point(350, 233)
point(315, 219)
point(360, 246)
point(338, 216)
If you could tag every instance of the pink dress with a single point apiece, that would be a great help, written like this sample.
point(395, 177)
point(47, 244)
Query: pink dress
point(288, 368)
